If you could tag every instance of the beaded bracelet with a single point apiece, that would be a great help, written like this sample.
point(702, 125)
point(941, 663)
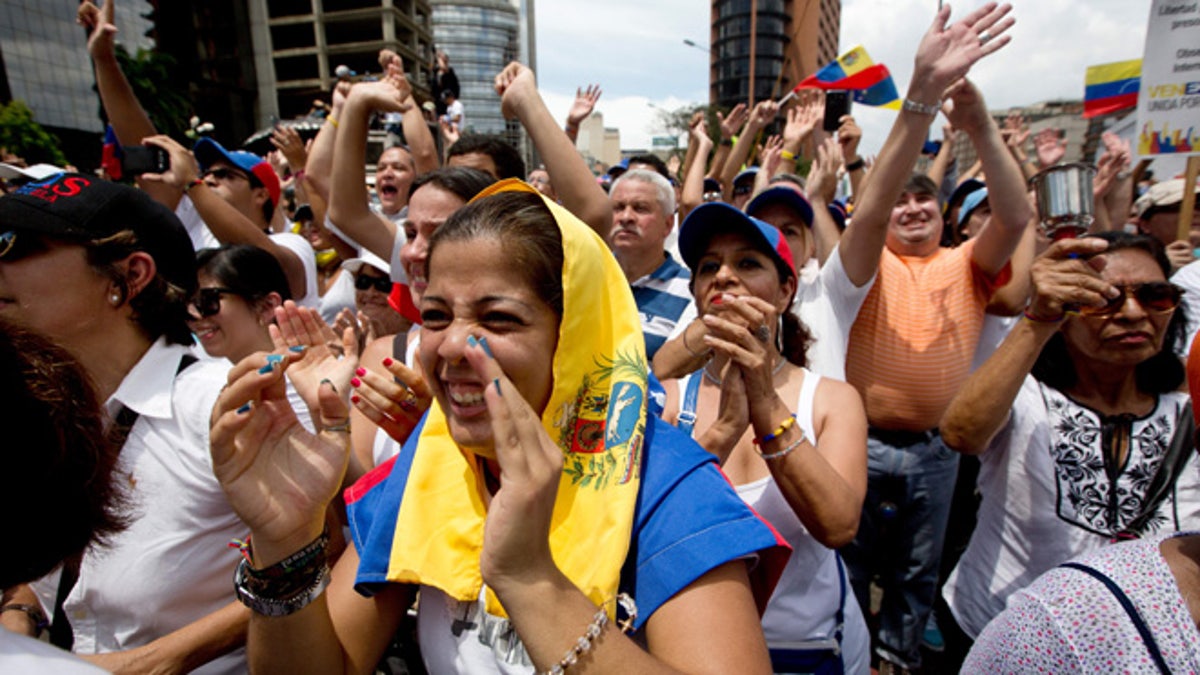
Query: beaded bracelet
point(191, 184)
point(582, 645)
point(784, 452)
point(783, 426)
point(289, 575)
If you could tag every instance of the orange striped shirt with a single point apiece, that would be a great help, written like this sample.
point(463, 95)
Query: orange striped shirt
point(912, 343)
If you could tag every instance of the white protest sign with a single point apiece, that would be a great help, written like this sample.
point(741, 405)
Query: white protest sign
point(1168, 112)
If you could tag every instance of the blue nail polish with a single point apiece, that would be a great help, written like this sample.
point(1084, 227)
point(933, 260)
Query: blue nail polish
point(245, 408)
point(487, 349)
point(471, 341)
point(496, 382)
point(274, 358)
point(299, 349)
point(267, 368)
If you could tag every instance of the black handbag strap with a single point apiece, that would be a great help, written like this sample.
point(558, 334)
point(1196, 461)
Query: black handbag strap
point(1134, 615)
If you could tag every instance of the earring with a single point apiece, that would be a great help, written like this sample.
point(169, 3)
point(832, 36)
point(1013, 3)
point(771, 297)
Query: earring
point(115, 298)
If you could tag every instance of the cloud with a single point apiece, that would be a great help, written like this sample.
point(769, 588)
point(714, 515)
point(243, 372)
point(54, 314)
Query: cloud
point(635, 51)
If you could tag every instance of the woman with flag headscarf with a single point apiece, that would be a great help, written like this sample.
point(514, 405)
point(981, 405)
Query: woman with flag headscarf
point(793, 443)
point(536, 491)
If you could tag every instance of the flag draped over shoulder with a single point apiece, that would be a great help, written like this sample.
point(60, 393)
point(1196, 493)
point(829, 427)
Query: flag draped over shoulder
point(1111, 87)
point(870, 82)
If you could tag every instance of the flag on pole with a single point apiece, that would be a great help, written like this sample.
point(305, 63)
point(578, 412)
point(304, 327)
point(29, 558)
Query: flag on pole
point(1111, 87)
point(870, 82)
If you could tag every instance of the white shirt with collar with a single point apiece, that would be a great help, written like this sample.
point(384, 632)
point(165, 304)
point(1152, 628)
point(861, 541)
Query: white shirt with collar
point(172, 565)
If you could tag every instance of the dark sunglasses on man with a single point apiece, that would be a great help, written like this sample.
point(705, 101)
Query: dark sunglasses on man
point(382, 284)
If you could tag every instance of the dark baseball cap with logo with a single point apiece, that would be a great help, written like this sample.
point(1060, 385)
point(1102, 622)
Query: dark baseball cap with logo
point(79, 208)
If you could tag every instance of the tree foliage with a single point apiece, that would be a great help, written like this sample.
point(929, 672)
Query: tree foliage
point(153, 77)
point(21, 135)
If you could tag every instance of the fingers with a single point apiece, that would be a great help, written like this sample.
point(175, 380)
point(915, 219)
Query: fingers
point(377, 396)
point(253, 379)
point(334, 416)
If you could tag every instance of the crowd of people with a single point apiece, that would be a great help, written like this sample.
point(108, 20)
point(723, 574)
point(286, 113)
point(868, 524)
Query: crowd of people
point(712, 416)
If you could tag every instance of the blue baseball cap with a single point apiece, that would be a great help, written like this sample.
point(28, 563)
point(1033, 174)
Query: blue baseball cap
point(781, 194)
point(208, 151)
point(711, 218)
point(971, 203)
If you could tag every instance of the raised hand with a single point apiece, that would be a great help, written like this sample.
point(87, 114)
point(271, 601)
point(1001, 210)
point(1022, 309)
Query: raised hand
point(731, 123)
point(1067, 274)
point(585, 102)
point(395, 405)
point(763, 114)
point(803, 118)
point(183, 170)
point(1050, 147)
point(742, 332)
point(98, 20)
point(770, 153)
point(848, 136)
point(823, 175)
point(278, 477)
point(948, 50)
point(966, 109)
point(324, 356)
point(515, 85)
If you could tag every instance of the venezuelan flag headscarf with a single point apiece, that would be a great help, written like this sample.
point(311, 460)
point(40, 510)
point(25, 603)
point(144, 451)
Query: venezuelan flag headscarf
point(597, 416)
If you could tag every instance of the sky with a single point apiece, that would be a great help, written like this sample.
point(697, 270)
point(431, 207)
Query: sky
point(634, 50)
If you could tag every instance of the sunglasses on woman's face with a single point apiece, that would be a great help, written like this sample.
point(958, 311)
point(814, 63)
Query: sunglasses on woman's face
point(14, 245)
point(382, 284)
point(207, 301)
point(1156, 297)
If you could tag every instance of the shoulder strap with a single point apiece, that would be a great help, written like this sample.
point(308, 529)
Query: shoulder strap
point(687, 407)
point(1138, 622)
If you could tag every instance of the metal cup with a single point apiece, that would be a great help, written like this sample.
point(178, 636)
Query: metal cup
point(1066, 207)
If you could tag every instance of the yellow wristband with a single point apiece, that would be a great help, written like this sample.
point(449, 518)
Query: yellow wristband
point(787, 155)
point(332, 121)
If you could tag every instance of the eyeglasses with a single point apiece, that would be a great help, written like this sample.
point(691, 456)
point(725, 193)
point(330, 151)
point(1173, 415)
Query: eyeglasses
point(224, 173)
point(382, 284)
point(207, 301)
point(14, 246)
point(1156, 297)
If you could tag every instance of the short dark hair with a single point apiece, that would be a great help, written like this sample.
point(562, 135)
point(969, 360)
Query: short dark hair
point(506, 158)
point(462, 181)
point(920, 184)
point(247, 270)
point(55, 444)
point(654, 161)
point(525, 227)
point(1158, 374)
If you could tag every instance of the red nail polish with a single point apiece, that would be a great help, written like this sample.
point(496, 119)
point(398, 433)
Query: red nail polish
point(387, 362)
point(354, 399)
point(360, 371)
point(355, 382)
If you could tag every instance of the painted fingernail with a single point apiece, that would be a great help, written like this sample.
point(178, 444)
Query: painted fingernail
point(486, 349)
point(355, 382)
point(387, 362)
point(471, 341)
point(274, 358)
point(299, 349)
point(267, 368)
point(328, 382)
point(360, 371)
point(245, 407)
point(496, 382)
point(354, 399)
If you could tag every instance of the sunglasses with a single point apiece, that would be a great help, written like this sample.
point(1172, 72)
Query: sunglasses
point(14, 246)
point(223, 173)
point(1157, 297)
point(207, 301)
point(382, 284)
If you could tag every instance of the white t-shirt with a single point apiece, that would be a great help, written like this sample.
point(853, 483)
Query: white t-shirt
point(20, 654)
point(455, 114)
point(827, 306)
point(1045, 496)
point(202, 237)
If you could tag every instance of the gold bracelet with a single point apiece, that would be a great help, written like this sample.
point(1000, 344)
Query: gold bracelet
point(332, 121)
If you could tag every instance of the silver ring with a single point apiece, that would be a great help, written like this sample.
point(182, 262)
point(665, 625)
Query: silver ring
point(762, 333)
point(984, 37)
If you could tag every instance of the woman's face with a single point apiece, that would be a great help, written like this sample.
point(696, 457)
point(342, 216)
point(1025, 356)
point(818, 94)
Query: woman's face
point(428, 208)
point(1133, 333)
point(49, 286)
point(475, 290)
point(373, 300)
point(237, 330)
point(731, 264)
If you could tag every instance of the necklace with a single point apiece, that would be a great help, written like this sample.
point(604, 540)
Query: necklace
point(718, 381)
